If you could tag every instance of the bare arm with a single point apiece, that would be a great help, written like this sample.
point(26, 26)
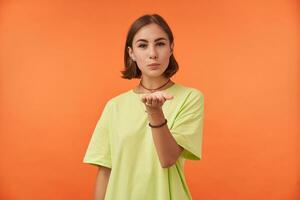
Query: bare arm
point(167, 148)
point(101, 182)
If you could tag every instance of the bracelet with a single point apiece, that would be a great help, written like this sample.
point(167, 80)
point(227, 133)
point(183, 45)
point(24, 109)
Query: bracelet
point(157, 126)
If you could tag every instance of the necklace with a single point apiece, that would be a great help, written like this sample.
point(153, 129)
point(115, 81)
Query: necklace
point(152, 90)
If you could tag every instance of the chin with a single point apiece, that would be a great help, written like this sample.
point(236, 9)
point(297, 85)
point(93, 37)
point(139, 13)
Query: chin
point(154, 74)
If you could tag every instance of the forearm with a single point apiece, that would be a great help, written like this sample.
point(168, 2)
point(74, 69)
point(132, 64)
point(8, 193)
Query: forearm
point(101, 183)
point(167, 148)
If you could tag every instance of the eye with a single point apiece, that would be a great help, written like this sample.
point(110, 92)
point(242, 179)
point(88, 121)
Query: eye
point(161, 44)
point(141, 45)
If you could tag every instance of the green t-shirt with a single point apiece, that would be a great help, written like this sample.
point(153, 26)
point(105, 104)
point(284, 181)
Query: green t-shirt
point(122, 140)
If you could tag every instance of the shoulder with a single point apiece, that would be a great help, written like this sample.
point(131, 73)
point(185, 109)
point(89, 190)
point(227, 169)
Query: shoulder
point(119, 98)
point(192, 101)
point(190, 91)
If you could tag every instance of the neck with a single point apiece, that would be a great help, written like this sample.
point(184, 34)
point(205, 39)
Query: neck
point(154, 83)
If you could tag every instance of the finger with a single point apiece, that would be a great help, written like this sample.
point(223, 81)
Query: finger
point(168, 96)
point(144, 99)
point(161, 101)
point(149, 100)
point(153, 102)
point(158, 98)
point(161, 98)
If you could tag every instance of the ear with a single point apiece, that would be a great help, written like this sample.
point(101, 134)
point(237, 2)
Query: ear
point(131, 54)
point(172, 47)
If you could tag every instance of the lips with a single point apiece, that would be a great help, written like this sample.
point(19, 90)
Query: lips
point(153, 67)
point(154, 64)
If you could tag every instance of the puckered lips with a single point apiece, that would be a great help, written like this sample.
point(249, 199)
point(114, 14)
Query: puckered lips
point(154, 66)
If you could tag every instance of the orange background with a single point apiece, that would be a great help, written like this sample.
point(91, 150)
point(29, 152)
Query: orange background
point(61, 61)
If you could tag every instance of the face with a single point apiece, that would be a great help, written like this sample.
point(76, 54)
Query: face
point(151, 45)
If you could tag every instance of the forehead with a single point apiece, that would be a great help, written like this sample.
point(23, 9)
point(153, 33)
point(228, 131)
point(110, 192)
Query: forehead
point(150, 32)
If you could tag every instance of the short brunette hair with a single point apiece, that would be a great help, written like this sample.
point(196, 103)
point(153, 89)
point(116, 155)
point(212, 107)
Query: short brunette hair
point(131, 69)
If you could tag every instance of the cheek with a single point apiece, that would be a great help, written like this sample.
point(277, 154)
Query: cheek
point(165, 54)
point(165, 58)
point(141, 61)
point(140, 57)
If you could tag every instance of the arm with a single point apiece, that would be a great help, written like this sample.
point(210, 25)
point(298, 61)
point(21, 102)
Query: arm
point(167, 148)
point(101, 182)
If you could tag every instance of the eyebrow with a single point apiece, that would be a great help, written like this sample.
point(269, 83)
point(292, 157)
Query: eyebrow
point(143, 40)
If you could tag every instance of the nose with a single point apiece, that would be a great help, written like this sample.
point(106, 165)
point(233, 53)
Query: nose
point(152, 52)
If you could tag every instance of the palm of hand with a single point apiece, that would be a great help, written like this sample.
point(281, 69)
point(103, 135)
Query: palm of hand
point(155, 99)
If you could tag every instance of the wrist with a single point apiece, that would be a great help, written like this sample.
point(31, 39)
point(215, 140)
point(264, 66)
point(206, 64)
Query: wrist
point(156, 117)
point(152, 111)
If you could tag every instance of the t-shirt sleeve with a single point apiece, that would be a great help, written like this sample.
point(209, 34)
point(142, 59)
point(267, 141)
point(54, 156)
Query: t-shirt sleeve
point(98, 151)
point(188, 125)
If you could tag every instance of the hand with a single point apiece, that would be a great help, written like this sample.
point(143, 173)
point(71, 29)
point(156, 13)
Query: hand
point(155, 100)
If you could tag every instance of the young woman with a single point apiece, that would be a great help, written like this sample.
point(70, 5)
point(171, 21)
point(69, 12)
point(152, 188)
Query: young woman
point(144, 135)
